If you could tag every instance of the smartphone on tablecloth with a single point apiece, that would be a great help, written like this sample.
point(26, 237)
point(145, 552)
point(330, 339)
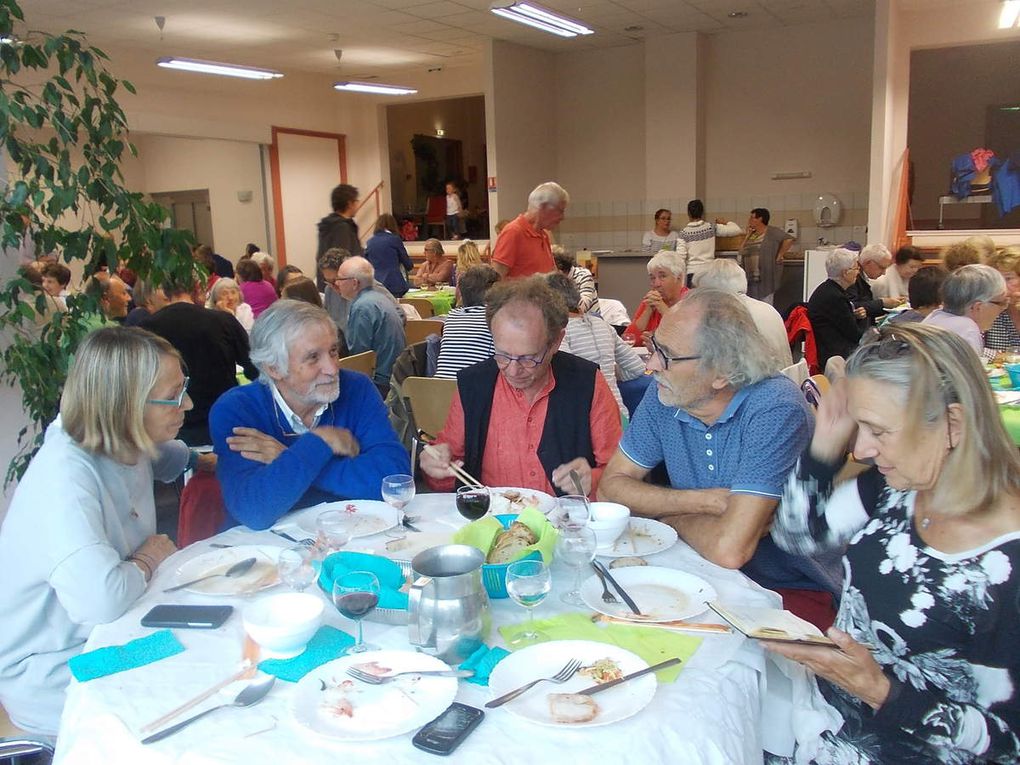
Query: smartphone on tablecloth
point(187, 617)
point(446, 732)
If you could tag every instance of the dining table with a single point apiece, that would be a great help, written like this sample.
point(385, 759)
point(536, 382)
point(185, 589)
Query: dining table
point(724, 706)
point(442, 298)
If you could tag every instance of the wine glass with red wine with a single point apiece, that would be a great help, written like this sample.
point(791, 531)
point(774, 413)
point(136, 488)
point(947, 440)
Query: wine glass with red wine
point(473, 502)
point(355, 595)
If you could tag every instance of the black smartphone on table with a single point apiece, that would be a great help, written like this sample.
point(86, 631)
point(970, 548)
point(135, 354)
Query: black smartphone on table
point(446, 732)
point(187, 617)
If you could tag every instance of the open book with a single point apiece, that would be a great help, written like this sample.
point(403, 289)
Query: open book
point(772, 624)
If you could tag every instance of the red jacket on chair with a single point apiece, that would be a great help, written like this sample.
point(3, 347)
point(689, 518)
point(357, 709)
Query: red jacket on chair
point(798, 327)
point(202, 509)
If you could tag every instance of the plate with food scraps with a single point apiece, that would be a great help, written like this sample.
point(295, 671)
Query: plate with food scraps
point(258, 577)
point(331, 703)
point(643, 536)
point(561, 706)
point(661, 594)
point(368, 516)
point(504, 500)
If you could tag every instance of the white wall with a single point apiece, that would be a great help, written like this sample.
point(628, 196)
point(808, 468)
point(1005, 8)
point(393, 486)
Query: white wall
point(167, 163)
point(520, 125)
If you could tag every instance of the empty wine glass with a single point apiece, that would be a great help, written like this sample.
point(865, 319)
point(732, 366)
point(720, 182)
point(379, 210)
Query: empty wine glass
point(573, 510)
point(576, 547)
point(398, 491)
point(528, 582)
point(473, 502)
point(333, 529)
point(355, 594)
point(295, 567)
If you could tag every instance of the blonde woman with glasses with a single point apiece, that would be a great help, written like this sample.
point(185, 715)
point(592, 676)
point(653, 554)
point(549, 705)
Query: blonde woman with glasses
point(926, 668)
point(79, 542)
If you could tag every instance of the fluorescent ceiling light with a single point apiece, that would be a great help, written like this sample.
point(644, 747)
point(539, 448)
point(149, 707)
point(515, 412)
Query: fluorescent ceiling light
point(540, 18)
point(1010, 15)
point(372, 87)
point(212, 67)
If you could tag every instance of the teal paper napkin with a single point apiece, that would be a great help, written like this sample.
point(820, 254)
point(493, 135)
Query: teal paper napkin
point(482, 661)
point(391, 578)
point(117, 658)
point(327, 644)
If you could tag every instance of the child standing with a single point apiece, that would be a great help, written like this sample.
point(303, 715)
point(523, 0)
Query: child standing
point(454, 212)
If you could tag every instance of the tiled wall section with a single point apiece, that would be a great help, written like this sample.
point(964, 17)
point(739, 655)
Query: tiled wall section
point(619, 225)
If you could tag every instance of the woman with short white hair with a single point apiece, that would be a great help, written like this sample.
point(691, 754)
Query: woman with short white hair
point(225, 295)
point(972, 298)
point(667, 275)
point(79, 542)
point(830, 310)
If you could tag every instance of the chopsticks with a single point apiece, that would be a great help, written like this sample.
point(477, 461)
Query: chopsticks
point(460, 472)
point(248, 666)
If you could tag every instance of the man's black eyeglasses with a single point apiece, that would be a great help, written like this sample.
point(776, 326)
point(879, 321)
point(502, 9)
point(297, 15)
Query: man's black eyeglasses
point(666, 359)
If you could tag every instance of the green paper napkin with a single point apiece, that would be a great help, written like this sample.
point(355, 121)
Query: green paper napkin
point(117, 658)
point(390, 577)
point(482, 533)
point(327, 644)
point(650, 644)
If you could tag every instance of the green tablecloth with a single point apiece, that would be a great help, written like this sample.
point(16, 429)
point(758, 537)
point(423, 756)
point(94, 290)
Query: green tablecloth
point(442, 300)
point(1011, 419)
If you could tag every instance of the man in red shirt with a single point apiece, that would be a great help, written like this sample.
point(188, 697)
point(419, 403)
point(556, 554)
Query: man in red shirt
point(529, 415)
point(523, 248)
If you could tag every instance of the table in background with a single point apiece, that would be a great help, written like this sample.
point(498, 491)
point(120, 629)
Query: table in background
point(442, 299)
point(711, 714)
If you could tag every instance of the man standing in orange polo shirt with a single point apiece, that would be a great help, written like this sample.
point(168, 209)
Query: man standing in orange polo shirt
point(523, 248)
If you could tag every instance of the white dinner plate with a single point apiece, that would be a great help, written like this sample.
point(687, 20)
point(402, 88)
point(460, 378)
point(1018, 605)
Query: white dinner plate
point(501, 504)
point(661, 594)
point(546, 659)
point(649, 537)
point(330, 703)
point(258, 577)
point(368, 516)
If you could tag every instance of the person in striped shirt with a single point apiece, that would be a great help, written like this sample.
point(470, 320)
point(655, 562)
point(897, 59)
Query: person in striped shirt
point(466, 336)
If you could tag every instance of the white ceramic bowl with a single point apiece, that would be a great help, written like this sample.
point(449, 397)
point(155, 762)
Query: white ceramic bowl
point(608, 520)
point(283, 624)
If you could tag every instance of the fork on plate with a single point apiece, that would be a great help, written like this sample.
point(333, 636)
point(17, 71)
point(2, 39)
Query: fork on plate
point(565, 673)
point(368, 677)
point(607, 596)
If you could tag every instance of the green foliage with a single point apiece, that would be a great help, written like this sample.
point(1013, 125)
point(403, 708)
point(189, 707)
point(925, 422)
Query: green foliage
point(65, 134)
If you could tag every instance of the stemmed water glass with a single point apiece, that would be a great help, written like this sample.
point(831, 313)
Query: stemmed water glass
point(528, 582)
point(398, 491)
point(295, 567)
point(573, 510)
point(576, 547)
point(356, 594)
point(333, 529)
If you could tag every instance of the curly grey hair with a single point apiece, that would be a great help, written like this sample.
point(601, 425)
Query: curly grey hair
point(727, 339)
point(839, 261)
point(548, 194)
point(671, 260)
point(723, 274)
point(277, 328)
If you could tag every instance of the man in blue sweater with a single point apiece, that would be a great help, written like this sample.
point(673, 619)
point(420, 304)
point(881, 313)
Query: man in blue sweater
point(307, 432)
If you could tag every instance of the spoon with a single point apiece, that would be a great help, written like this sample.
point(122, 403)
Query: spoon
point(249, 695)
point(239, 568)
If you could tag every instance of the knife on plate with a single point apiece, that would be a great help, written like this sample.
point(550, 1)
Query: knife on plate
point(623, 593)
point(599, 687)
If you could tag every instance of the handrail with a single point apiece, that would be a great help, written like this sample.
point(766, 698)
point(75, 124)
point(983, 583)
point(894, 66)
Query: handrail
point(378, 207)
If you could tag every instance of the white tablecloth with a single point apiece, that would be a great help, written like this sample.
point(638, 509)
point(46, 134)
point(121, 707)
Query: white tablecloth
point(711, 714)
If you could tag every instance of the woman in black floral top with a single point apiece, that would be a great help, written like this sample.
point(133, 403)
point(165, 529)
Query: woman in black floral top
point(929, 667)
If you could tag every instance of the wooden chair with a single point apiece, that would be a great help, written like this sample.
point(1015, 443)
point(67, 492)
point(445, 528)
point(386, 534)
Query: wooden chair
point(427, 400)
point(416, 331)
point(423, 305)
point(435, 215)
point(359, 362)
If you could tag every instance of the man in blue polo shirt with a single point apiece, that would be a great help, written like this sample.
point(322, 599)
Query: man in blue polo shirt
point(729, 429)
